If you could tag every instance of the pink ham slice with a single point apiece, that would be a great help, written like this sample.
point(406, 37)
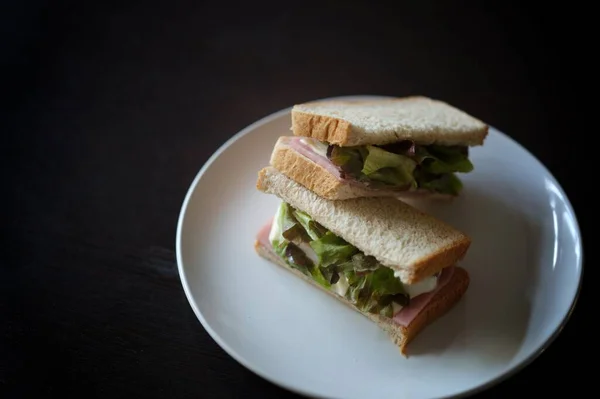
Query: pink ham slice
point(405, 315)
point(263, 235)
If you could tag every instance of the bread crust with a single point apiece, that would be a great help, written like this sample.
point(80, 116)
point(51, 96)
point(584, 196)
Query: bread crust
point(340, 132)
point(444, 300)
point(324, 128)
point(434, 263)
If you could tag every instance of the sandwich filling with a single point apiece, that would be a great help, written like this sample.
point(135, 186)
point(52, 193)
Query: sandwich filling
point(401, 166)
point(338, 266)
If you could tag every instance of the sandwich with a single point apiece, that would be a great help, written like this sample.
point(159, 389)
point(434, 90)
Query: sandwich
point(401, 147)
point(380, 256)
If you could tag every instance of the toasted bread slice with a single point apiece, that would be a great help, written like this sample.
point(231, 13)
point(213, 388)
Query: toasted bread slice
point(327, 185)
point(380, 122)
point(440, 304)
point(401, 237)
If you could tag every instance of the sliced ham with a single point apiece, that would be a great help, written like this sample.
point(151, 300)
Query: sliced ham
point(405, 315)
point(297, 144)
point(263, 235)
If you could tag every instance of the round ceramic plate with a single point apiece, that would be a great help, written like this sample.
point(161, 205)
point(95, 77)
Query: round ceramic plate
point(525, 264)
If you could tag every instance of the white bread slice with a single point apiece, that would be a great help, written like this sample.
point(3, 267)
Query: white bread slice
point(318, 179)
point(379, 122)
point(398, 235)
point(440, 304)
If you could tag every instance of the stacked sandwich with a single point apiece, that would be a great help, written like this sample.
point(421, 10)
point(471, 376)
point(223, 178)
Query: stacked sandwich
point(341, 224)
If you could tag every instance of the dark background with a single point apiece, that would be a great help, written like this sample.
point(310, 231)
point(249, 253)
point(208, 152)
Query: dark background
point(110, 109)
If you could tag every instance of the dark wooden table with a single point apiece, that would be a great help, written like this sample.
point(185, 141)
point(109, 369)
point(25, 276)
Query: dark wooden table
point(110, 110)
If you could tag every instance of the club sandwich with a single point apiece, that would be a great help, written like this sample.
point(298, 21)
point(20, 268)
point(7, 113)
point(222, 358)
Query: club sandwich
point(382, 257)
point(401, 147)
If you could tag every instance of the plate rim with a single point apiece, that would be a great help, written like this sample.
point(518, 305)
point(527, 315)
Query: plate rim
point(503, 376)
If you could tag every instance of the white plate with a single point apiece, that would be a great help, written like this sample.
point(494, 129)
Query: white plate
point(525, 264)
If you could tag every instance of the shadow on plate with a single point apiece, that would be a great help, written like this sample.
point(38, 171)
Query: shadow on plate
point(492, 317)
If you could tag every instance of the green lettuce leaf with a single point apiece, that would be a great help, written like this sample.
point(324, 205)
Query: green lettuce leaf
point(296, 233)
point(330, 274)
point(385, 303)
point(297, 258)
point(371, 286)
point(446, 184)
point(312, 228)
point(387, 310)
point(402, 167)
point(356, 284)
point(331, 249)
point(318, 276)
point(383, 282)
point(284, 222)
point(438, 159)
point(376, 290)
point(360, 263)
point(387, 167)
point(349, 159)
